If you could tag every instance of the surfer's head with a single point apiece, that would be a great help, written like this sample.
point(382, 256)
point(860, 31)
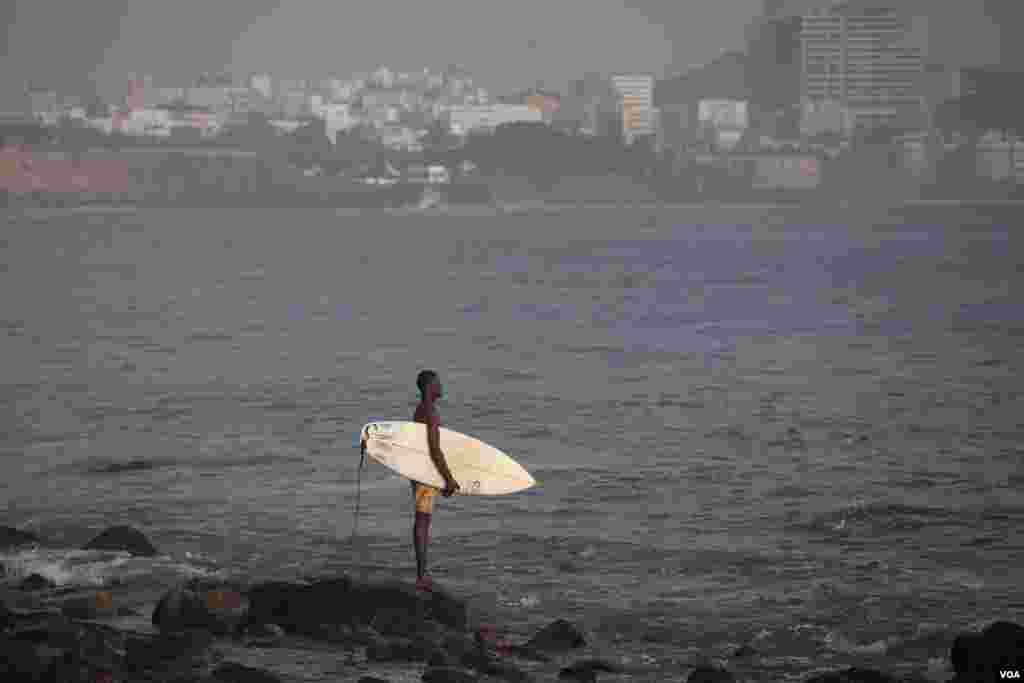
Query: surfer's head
point(429, 385)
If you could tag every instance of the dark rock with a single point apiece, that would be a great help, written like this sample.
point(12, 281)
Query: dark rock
point(99, 605)
point(183, 652)
point(14, 538)
point(277, 602)
point(304, 608)
point(558, 636)
point(440, 658)
point(458, 646)
point(36, 582)
point(1005, 644)
point(486, 663)
point(372, 679)
point(399, 650)
point(853, 675)
point(183, 608)
point(524, 652)
point(263, 635)
point(396, 622)
point(447, 609)
point(232, 672)
point(998, 647)
point(447, 675)
point(179, 609)
point(585, 671)
point(708, 674)
point(122, 538)
point(744, 651)
point(508, 671)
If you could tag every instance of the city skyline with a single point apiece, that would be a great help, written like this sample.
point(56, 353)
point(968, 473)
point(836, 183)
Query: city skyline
point(506, 46)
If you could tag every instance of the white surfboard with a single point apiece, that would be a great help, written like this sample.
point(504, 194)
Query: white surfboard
point(480, 469)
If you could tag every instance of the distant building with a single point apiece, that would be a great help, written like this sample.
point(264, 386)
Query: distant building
point(263, 84)
point(463, 120)
point(636, 96)
point(855, 56)
point(337, 117)
point(591, 107)
point(213, 97)
point(705, 106)
point(774, 63)
point(44, 104)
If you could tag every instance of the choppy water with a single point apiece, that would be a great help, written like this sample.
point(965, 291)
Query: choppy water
point(745, 424)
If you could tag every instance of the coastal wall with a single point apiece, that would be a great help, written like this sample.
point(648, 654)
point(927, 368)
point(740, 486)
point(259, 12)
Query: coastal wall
point(510, 189)
point(198, 177)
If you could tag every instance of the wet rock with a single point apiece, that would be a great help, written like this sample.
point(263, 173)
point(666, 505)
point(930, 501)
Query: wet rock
point(36, 582)
point(558, 636)
point(440, 658)
point(447, 675)
point(122, 538)
point(59, 650)
point(396, 622)
point(524, 652)
point(15, 538)
point(458, 646)
point(232, 672)
point(187, 654)
point(263, 635)
point(744, 651)
point(853, 675)
point(182, 607)
point(95, 606)
point(999, 647)
point(277, 602)
point(585, 671)
point(399, 650)
point(179, 609)
point(709, 674)
point(305, 607)
point(507, 671)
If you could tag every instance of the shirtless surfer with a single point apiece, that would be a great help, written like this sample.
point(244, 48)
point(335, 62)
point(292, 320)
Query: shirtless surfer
point(430, 390)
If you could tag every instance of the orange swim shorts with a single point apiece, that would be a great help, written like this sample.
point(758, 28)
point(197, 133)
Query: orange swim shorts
point(423, 496)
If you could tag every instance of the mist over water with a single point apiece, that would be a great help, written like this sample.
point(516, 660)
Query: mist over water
point(744, 423)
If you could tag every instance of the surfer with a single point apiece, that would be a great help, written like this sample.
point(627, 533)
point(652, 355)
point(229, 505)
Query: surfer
point(430, 390)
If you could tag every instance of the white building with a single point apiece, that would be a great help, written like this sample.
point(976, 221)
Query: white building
point(463, 120)
point(337, 117)
point(263, 84)
point(384, 77)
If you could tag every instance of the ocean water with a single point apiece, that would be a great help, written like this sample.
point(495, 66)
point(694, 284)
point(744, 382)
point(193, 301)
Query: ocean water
point(768, 426)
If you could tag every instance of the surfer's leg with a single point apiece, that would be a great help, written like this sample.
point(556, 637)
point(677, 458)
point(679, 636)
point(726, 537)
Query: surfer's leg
point(421, 538)
point(421, 527)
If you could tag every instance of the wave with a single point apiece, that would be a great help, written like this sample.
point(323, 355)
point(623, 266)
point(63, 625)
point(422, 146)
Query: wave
point(106, 466)
point(882, 517)
point(93, 568)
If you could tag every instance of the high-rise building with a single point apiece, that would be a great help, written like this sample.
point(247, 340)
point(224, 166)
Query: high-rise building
point(856, 59)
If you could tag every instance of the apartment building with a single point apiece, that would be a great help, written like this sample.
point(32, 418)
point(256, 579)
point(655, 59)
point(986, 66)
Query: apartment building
point(859, 59)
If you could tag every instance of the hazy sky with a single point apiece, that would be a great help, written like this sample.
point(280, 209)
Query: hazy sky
point(508, 44)
point(60, 41)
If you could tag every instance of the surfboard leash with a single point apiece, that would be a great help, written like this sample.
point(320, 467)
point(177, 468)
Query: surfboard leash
point(359, 486)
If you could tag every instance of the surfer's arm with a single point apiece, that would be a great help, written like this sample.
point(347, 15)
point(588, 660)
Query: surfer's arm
point(434, 444)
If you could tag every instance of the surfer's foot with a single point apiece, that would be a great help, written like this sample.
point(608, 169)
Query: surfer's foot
point(424, 584)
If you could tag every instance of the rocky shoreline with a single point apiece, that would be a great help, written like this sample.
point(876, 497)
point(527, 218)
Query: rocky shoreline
point(336, 628)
